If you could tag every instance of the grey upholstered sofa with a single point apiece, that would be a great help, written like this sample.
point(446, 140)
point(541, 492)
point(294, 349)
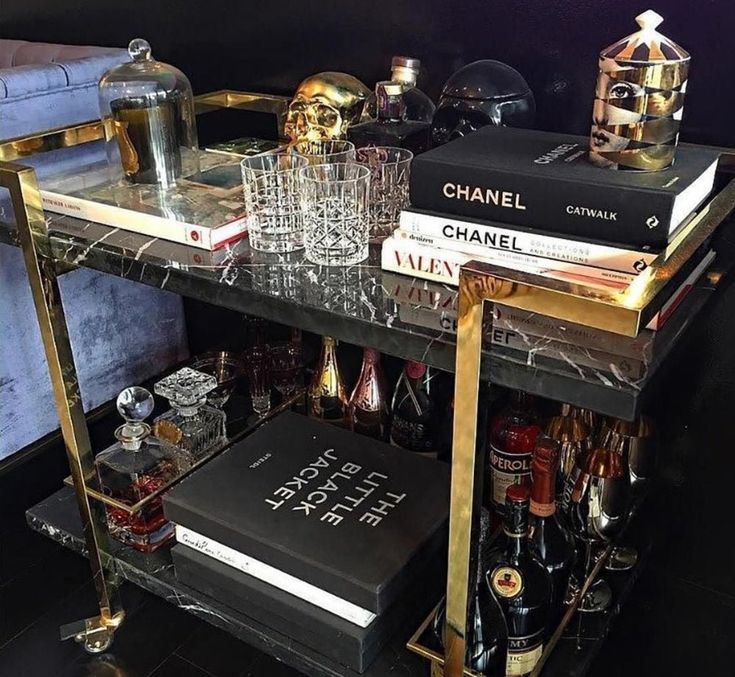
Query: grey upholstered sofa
point(121, 332)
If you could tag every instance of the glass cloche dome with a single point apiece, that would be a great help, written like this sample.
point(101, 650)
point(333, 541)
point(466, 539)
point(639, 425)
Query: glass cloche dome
point(148, 112)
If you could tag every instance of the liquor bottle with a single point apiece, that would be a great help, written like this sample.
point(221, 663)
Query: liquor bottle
point(132, 469)
point(413, 426)
point(521, 585)
point(327, 394)
point(512, 438)
point(405, 71)
point(391, 127)
point(368, 407)
point(487, 634)
point(551, 542)
point(191, 428)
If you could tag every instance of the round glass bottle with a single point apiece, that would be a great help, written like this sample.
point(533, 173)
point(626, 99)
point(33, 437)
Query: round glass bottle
point(147, 108)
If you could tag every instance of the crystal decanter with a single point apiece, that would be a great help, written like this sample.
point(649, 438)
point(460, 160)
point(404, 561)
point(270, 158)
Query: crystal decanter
point(191, 427)
point(132, 469)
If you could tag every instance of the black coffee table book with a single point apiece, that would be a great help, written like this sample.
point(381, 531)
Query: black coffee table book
point(355, 517)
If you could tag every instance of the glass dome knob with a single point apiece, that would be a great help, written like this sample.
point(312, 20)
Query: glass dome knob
point(139, 50)
point(135, 404)
point(649, 20)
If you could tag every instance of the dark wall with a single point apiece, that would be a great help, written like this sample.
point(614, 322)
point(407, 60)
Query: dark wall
point(271, 45)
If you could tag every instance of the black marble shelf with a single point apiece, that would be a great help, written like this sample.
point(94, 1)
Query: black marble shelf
point(363, 305)
point(58, 518)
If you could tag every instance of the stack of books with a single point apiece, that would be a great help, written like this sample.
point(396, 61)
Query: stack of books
point(330, 539)
point(531, 201)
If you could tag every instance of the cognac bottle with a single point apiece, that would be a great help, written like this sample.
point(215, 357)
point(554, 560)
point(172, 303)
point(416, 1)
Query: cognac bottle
point(327, 394)
point(552, 544)
point(521, 585)
point(391, 127)
point(487, 634)
point(512, 438)
point(132, 469)
point(191, 428)
point(368, 407)
point(414, 426)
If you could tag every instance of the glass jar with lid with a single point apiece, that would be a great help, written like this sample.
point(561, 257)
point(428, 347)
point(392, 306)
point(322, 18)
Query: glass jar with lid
point(147, 108)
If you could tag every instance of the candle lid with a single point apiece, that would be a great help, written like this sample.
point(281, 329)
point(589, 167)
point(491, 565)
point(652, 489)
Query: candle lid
point(646, 45)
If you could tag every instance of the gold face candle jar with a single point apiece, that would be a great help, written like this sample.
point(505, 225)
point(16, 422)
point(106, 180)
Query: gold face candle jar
point(147, 108)
point(639, 100)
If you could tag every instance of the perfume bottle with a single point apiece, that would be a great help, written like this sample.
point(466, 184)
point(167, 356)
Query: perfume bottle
point(414, 425)
point(405, 71)
point(368, 407)
point(191, 427)
point(133, 468)
point(327, 394)
point(391, 128)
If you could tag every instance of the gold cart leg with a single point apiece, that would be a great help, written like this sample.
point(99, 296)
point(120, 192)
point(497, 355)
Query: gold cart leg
point(467, 464)
point(96, 633)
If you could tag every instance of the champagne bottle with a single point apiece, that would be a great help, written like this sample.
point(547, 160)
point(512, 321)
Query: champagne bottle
point(327, 394)
point(521, 585)
point(414, 426)
point(368, 407)
point(550, 541)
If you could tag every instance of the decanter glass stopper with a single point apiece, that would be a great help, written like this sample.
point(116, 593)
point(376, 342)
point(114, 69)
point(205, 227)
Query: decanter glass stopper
point(134, 404)
point(139, 50)
point(186, 389)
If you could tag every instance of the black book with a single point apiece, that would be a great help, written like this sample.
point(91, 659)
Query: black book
point(345, 513)
point(334, 637)
point(544, 181)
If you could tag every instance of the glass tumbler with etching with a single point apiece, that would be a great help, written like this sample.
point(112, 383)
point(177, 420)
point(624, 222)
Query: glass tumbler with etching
point(334, 200)
point(270, 184)
point(325, 151)
point(390, 169)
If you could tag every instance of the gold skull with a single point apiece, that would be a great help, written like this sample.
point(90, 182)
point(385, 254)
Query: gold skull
point(324, 106)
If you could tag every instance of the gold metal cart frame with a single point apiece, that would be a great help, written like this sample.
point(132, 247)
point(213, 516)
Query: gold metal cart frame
point(623, 312)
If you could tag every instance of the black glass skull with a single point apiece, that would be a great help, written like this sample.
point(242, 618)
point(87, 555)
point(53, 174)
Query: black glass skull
point(482, 93)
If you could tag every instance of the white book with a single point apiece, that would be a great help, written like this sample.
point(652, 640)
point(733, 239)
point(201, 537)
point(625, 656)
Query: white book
point(511, 258)
point(499, 238)
point(206, 211)
point(442, 265)
point(275, 577)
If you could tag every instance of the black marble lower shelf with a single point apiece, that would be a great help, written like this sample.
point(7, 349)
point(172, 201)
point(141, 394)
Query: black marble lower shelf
point(57, 517)
point(573, 656)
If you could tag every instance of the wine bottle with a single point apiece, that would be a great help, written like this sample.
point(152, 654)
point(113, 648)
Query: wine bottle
point(368, 406)
point(550, 541)
point(413, 426)
point(512, 438)
point(327, 394)
point(486, 636)
point(521, 585)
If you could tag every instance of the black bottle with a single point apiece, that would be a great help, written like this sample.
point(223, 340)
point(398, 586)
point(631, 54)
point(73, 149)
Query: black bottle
point(391, 128)
point(521, 585)
point(550, 541)
point(487, 634)
point(414, 410)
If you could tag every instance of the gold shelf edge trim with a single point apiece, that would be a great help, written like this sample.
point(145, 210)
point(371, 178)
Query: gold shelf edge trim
point(621, 312)
point(96, 494)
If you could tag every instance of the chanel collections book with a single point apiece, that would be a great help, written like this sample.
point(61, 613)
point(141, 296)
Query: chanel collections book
point(340, 512)
point(325, 633)
point(544, 181)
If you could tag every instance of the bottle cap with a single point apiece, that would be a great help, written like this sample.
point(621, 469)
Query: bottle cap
point(405, 62)
point(371, 355)
point(415, 369)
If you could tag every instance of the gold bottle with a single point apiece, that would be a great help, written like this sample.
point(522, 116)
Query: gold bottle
point(327, 395)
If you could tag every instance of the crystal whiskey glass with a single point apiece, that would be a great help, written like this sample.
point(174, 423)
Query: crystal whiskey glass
point(191, 428)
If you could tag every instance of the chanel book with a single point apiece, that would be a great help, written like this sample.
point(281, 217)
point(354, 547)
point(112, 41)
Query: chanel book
point(341, 512)
point(206, 211)
point(544, 181)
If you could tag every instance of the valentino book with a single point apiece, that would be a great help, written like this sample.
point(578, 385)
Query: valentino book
point(304, 505)
point(205, 211)
point(545, 181)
